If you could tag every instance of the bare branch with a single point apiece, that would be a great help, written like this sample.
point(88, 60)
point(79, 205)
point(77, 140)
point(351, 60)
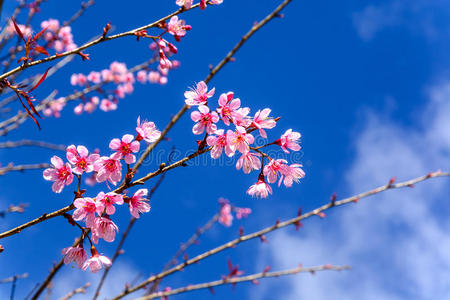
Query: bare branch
point(11, 167)
point(80, 290)
point(235, 280)
point(15, 144)
point(279, 225)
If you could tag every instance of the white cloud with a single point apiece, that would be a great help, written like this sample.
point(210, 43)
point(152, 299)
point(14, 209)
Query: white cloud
point(418, 16)
point(398, 242)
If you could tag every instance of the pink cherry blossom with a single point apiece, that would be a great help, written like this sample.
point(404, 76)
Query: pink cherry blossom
point(78, 79)
point(260, 189)
point(96, 262)
point(74, 254)
point(262, 121)
point(55, 107)
point(242, 212)
point(241, 117)
point(153, 77)
point(272, 169)
point(141, 76)
point(227, 107)
point(289, 140)
point(216, 1)
point(94, 77)
point(204, 119)
point(125, 147)
point(186, 3)
point(80, 158)
point(198, 95)
point(61, 174)
point(147, 131)
point(108, 168)
point(249, 161)
point(218, 143)
point(109, 200)
point(104, 228)
point(164, 62)
point(86, 209)
point(138, 203)
point(225, 216)
point(177, 27)
point(50, 24)
point(291, 173)
point(240, 140)
point(108, 105)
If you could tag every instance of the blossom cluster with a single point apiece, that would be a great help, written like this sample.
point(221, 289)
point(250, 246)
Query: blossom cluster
point(96, 212)
point(226, 209)
point(58, 37)
point(240, 139)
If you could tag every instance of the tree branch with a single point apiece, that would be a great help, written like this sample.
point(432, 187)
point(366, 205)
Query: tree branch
point(279, 225)
point(234, 280)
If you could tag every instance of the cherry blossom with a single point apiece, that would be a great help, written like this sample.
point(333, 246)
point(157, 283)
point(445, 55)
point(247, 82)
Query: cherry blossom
point(225, 216)
point(55, 107)
point(289, 140)
point(227, 107)
point(80, 158)
point(291, 173)
point(186, 3)
point(86, 209)
point(74, 254)
point(147, 131)
point(108, 105)
point(108, 168)
point(61, 174)
point(164, 62)
point(198, 95)
point(94, 77)
point(177, 27)
point(96, 262)
point(262, 121)
point(138, 203)
point(240, 139)
point(125, 147)
point(78, 79)
point(272, 169)
point(260, 189)
point(141, 76)
point(218, 143)
point(104, 228)
point(241, 117)
point(204, 119)
point(242, 212)
point(249, 161)
point(109, 200)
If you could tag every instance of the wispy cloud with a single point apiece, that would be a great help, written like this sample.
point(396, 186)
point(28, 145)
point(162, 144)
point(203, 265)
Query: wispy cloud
point(418, 16)
point(397, 242)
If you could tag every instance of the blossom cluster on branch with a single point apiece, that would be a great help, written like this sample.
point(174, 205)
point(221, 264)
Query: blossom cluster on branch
point(241, 139)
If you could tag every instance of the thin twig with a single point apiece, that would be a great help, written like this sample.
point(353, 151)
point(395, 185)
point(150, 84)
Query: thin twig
point(15, 144)
point(11, 167)
point(80, 290)
point(279, 225)
point(235, 280)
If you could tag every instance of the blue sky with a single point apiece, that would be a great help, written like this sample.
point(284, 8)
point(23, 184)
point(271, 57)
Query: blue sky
point(367, 84)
